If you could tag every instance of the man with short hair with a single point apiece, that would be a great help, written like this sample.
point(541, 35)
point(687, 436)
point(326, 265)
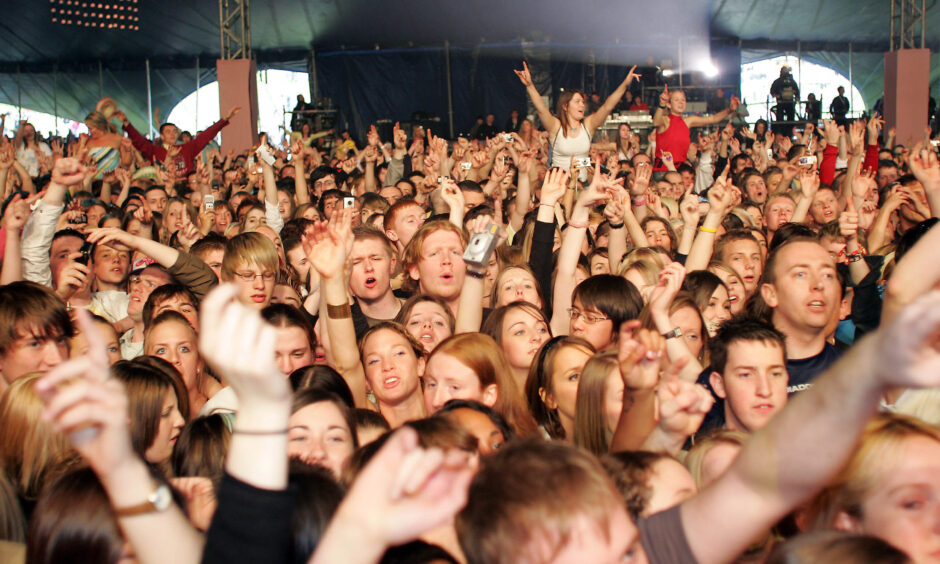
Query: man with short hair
point(434, 262)
point(839, 107)
point(741, 250)
point(402, 221)
point(802, 288)
point(34, 331)
point(186, 154)
point(778, 210)
point(748, 358)
point(372, 263)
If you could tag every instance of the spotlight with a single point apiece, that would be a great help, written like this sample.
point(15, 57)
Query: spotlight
point(710, 70)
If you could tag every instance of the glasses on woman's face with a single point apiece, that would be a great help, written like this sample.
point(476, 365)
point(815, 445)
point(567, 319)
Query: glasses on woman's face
point(248, 277)
point(575, 313)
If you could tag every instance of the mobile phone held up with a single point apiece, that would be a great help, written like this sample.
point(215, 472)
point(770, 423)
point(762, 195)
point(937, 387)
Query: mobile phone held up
point(209, 202)
point(86, 251)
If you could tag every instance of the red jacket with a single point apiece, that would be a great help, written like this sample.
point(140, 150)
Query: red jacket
point(188, 151)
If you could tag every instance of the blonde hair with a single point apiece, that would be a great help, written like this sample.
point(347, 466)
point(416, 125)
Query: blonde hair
point(248, 248)
point(30, 449)
point(641, 254)
point(695, 459)
point(883, 437)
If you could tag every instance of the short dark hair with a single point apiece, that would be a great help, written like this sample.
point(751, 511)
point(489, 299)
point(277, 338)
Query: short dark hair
point(611, 295)
point(742, 328)
point(162, 293)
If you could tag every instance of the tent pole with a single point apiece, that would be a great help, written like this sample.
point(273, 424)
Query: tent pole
point(450, 94)
point(680, 62)
point(100, 81)
point(149, 100)
point(19, 95)
point(197, 93)
point(55, 95)
point(851, 82)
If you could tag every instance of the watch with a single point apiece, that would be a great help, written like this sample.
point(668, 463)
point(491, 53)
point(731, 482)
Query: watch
point(673, 334)
point(159, 500)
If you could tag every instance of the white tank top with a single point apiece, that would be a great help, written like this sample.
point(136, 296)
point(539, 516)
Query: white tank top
point(564, 148)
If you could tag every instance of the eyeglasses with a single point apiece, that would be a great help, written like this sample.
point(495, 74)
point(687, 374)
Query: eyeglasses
point(575, 313)
point(251, 276)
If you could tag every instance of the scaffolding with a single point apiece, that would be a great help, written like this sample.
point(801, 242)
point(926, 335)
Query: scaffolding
point(908, 24)
point(235, 29)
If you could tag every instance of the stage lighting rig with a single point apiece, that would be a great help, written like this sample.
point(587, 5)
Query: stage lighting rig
point(110, 14)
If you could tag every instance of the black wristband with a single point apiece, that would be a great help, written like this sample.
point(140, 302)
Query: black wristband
point(615, 225)
point(475, 274)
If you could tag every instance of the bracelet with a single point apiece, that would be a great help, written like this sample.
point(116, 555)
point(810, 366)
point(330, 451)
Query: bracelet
point(338, 311)
point(640, 201)
point(704, 229)
point(254, 432)
point(548, 205)
point(663, 107)
point(577, 225)
point(476, 274)
point(615, 225)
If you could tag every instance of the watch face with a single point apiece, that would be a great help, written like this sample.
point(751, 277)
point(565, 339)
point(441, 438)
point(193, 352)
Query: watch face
point(161, 497)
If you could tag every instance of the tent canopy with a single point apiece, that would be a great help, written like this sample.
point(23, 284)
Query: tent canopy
point(51, 67)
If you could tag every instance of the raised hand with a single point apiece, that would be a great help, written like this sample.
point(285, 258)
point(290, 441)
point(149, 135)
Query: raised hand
point(809, 182)
point(524, 75)
point(239, 346)
point(373, 136)
point(682, 406)
point(669, 284)
point(553, 188)
point(848, 220)
point(925, 166)
point(84, 402)
point(232, 113)
point(639, 356)
point(452, 195)
point(68, 171)
point(664, 97)
point(329, 243)
point(641, 180)
point(402, 493)
point(399, 137)
point(689, 210)
point(16, 214)
point(615, 208)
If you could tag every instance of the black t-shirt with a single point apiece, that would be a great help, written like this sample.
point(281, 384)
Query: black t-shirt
point(804, 370)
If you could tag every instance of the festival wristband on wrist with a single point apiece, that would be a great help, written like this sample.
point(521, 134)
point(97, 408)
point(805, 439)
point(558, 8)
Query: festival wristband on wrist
point(338, 311)
point(615, 225)
point(641, 201)
point(704, 229)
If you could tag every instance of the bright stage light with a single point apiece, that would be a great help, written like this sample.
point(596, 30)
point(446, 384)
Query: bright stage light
point(94, 14)
point(710, 70)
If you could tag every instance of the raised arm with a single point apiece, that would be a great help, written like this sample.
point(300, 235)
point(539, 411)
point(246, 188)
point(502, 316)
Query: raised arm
point(14, 218)
point(327, 249)
point(924, 165)
point(809, 185)
point(470, 304)
point(720, 199)
point(668, 285)
point(301, 193)
point(549, 121)
point(596, 193)
point(699, 121)
point(661, 116)
point(808, 442)
point(526, 164)
point(597, 119)
point(92, 411)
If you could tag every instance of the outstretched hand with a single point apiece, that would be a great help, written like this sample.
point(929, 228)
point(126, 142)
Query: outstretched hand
point(239, 346)
point(84, 402)
point(524, 75)
point(329, 243)
point(403, 492)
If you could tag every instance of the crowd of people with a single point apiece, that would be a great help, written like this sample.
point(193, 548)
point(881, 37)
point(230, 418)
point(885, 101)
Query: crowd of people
point(525, 346)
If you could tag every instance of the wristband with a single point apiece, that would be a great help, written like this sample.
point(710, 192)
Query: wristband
point(338, 311)
point(708, 229)
point(577, 225)
point(663, 107)
point(548, 205)
point(615, 225)
point(640, 201)
point(476, 274)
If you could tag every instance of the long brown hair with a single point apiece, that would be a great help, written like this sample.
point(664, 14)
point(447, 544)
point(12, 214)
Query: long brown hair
point(561, 108)
point(590, 427)
point(541, 379)
point(481, 354)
